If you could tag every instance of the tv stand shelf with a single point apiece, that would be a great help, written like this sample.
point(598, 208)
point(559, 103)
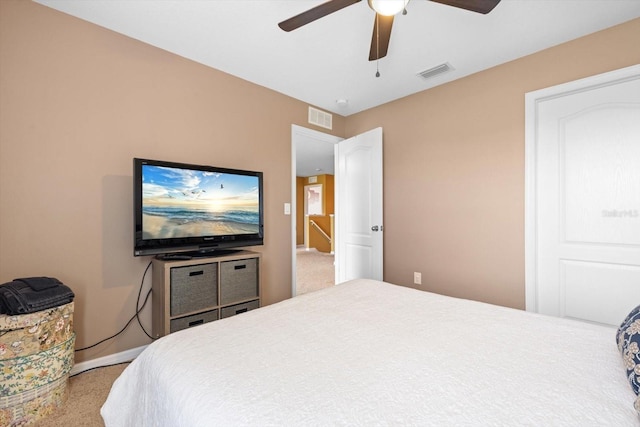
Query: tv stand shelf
point(191, 292)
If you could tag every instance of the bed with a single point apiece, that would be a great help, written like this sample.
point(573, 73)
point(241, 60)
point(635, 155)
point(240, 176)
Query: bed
point(373, 353)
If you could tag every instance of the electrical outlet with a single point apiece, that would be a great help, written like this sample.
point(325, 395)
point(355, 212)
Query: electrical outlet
point(417, 278)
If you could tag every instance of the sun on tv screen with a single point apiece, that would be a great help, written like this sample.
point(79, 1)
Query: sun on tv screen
point(193, 209)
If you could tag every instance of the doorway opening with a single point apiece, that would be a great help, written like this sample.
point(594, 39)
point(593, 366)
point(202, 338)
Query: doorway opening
point(313, 237)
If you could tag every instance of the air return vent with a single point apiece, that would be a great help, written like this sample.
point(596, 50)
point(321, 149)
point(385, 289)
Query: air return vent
point(320, 118)
point(437, 70)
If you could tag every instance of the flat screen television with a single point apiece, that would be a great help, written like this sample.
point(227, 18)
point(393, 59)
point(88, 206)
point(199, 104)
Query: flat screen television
point(185, 210)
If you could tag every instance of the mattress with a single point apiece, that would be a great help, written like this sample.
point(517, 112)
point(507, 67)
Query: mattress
point(372, 353)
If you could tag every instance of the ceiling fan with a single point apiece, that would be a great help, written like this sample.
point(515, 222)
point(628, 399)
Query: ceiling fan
point(385, 11)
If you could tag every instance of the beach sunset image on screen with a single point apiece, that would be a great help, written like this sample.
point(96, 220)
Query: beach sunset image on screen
point(182, 203)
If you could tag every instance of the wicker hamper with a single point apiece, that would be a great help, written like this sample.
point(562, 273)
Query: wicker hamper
point(36, 355)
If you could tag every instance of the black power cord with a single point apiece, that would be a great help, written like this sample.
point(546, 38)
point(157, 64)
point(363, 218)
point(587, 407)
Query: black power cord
point(135, 316)
point(99, 367)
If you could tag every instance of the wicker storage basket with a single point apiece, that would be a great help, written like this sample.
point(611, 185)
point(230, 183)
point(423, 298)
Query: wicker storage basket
point(32, 333)
point(36, 355)
point(31, 406)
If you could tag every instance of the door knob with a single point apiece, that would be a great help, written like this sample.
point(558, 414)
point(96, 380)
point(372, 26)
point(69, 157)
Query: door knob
point(374, 228)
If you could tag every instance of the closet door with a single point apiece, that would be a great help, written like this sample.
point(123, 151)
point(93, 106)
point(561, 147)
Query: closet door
point(583, 198)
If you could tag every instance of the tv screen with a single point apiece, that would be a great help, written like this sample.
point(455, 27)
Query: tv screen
point(195, 210)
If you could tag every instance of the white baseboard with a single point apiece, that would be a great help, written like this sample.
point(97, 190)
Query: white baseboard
point(112, 359)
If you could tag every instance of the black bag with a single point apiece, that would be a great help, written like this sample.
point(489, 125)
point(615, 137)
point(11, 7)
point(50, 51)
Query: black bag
point(31, 294)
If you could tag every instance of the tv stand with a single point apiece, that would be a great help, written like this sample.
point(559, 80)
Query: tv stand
point(190, 292)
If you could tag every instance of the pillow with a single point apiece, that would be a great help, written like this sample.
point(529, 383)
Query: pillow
point(628, 339)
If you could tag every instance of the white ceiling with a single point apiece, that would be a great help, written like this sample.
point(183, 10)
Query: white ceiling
point(327, 60)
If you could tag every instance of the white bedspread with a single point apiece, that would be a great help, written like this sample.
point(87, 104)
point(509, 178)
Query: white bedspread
point(370, 353)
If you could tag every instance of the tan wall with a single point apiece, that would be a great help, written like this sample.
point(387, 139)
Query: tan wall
point(77, 103)
point(454, 168)
point(329, 194)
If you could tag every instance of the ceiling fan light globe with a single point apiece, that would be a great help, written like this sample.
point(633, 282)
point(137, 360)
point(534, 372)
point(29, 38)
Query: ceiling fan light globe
point(388, 7)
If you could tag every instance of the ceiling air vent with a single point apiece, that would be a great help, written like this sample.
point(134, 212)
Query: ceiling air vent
point(432, 72)
point(320, 118)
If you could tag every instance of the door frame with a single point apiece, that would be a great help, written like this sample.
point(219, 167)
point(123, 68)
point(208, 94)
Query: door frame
point(297, 133)
point(532, 99)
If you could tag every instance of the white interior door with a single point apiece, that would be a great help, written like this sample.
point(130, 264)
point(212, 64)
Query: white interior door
point(583, 198)
point(358, 206)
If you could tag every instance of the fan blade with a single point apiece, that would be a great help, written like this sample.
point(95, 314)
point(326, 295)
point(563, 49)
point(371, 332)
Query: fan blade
point(315, 13)
point(480, 6)
point(381, 36)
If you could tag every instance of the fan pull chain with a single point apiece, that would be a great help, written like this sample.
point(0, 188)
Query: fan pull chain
point(377, 46)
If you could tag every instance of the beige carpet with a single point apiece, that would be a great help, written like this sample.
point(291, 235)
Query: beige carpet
point(87, 393)
point(314, 271)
